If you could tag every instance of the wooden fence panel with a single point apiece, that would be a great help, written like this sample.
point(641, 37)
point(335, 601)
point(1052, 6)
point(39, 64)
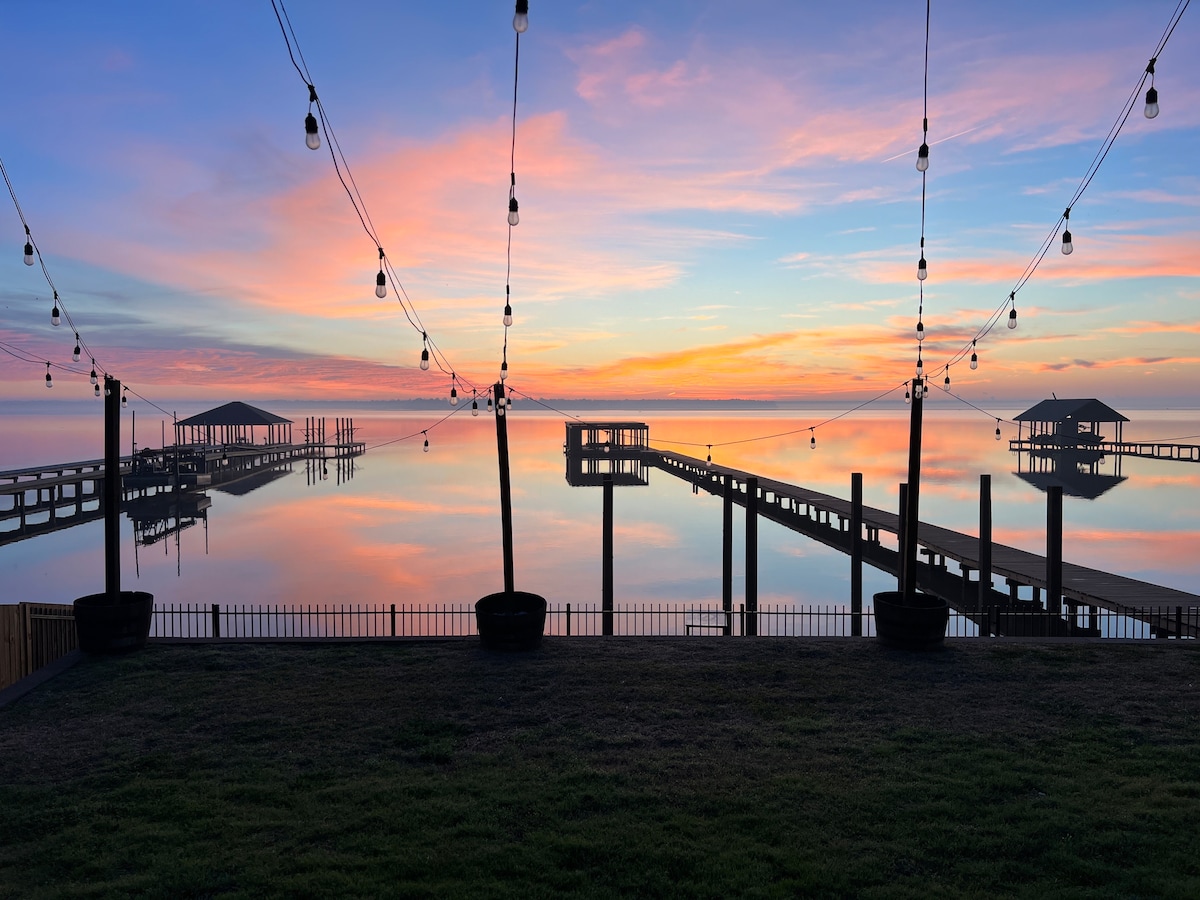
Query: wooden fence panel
point(12, 645)
point(33, 635)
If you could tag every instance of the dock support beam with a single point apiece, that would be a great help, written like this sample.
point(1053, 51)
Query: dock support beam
point(606, 552)
point(727, 553)
point(856, 553)
point(112, 489)
point(751, 556)
point(985, 540)
point(1054, 548)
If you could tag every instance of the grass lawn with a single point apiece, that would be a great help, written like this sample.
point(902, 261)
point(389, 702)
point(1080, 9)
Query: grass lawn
point(645, 767)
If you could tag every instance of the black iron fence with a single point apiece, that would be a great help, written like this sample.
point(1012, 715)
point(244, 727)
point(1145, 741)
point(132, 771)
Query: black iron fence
point(646, 620)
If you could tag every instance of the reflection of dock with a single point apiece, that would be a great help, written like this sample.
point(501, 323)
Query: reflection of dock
point(825, 518)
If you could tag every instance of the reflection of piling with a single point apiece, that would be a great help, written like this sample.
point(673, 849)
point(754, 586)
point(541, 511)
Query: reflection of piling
point(727, 553)
point(856, 554)
point(1054, 547)
point(606, 553)
point(985, 540)
point(112, 489)
point(751, 556)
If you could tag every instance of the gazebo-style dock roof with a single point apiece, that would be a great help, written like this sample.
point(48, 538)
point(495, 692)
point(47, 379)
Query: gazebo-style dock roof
point(1070, 423)
point(233, 423)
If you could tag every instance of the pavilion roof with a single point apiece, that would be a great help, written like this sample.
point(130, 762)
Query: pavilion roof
point(236, 413)
point(1079, 410)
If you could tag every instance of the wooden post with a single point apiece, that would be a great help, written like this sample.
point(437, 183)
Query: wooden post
point(216, 620)
point(912, 507)
point(985, 539)
point(856, 554)
point(112, 489)
point(727, 554)
point(393, 618)
point(1054, 548)
point(606, 553)
point(751, 555)
point(505, 485)
point(568, 620)
point(901, 533)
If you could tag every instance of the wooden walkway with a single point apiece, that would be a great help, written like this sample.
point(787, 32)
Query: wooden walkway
point(827, 519)
point(1142, 450)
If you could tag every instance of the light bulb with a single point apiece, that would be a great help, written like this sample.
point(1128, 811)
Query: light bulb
point(124, 400)
point(708, 460)
point(75, 352)
point(1012, 318)
point(974, 360)
point(312, 136)
point(923, 158)
point(508, 401)
point(1151, 103)
point(426, 447)
point(500, 408)
point(907, 396)
point(54, 317)
point(513, 218)
point(922, 269)
point(489, 408)
point(946, 384)
point(920, 366)
point(97, 390)
point(812, 441)
point(507, 315)
point(453, 395)
point(425, 359)
point(28, 253)
point(49, 380)
point(920, 330)
point(1067, 245)
point(504, 370)
point(474, 407)
point(107, 389)
point(381, 285)
point(94, 380)
point(924, 388)
point(997, 429)
point(521, 20)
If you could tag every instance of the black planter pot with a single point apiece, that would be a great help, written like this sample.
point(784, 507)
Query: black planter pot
point(104, 627)
point(917, 622)
point(511, 620)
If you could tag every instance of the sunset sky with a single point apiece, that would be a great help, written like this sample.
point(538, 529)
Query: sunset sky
point(717, 200)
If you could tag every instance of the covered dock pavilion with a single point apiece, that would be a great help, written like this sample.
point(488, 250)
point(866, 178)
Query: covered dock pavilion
point(234, 423)
point(1070, 423)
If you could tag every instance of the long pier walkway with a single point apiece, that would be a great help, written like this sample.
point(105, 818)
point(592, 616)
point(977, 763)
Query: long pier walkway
point(826, 518)
point(1140, 449)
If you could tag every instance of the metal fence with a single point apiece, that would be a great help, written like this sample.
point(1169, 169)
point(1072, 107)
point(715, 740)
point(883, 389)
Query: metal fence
point(646, 620)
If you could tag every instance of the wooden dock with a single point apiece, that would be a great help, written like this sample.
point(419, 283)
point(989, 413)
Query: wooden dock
point(826, 518)
point(1142, 449)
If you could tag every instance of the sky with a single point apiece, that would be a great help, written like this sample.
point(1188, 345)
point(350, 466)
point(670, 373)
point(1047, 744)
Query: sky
point(717, 200)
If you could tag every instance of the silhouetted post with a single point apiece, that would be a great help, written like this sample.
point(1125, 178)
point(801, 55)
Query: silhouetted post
point(1054, 545)
point(727, 554)
point(751, 556)
point(856, 485)
point(912, 506)
point(901, 531)
point(606, 552)
point(985, 540)
point(112, 489)
point(505, 485)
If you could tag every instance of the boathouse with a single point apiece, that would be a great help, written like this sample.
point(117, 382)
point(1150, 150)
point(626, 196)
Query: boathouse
point(1070, 423)
point(595, 450)
point(234, 423)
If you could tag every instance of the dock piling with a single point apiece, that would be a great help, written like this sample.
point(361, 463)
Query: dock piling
point(751, 555)
point(727, 551)
point(856, 554)
point(985, 538)
point(606, 589)
point(1054, 548)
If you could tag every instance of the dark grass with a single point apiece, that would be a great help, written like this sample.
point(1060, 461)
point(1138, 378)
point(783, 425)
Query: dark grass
point(608, 767)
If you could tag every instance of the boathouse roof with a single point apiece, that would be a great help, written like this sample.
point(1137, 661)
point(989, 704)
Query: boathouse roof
point(236, 413)
point(1079, 410)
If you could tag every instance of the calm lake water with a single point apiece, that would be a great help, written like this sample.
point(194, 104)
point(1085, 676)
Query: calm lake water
point(424, 528)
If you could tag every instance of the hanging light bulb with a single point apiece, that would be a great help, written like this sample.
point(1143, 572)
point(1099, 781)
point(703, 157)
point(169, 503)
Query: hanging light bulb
point(997, 429)
point(925, 387)
point(946, 383)
point(907, 396)
point(504, 370)
point(107, 388)
point(521, 19)
point(312, 136)
point(55, 319)
point(513, 217)
point(425, 352)
point(1067, 245)
point(922, 269)
point(75, 352)
point(489, 406)
point(380, 279)
point(920, 365)
point(507, 315)
point(474, 407)
point(124, 399)
point(94, 379)
point(974, 357)
point(97, 390)
point(812, 440)
point(500, 406)
point(49, 380)
point(426, 447)
point(453, 392)
point(920, 330)
point(28, 253)
point(1151, 103)
point(708, 459)
point(923, 158)
point(1012, 318)
point(1152, 93)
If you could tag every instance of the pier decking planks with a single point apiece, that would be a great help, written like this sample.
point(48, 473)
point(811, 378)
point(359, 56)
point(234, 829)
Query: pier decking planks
point(1088, 587)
